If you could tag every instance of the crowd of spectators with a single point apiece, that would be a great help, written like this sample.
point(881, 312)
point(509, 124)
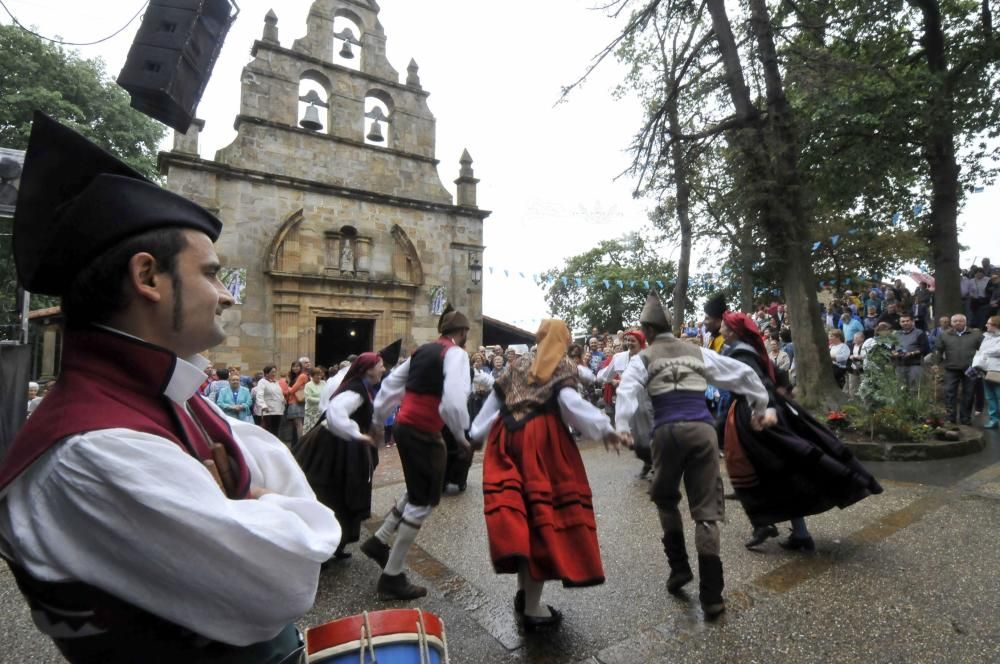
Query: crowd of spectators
point(290, 402)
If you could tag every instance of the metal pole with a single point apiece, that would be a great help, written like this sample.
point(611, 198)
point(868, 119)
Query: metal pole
point(25, 308)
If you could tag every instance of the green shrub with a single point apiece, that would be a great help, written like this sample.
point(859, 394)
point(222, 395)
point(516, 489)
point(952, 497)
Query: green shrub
point(884, 408)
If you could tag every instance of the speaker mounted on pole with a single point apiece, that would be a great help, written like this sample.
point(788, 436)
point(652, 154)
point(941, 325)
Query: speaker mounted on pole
point(172, 57)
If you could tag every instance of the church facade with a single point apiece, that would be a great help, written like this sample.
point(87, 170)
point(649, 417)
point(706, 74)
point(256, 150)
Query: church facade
point(339, 236)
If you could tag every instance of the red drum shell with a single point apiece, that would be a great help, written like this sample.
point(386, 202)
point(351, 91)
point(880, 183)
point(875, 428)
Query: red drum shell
point(383, 623)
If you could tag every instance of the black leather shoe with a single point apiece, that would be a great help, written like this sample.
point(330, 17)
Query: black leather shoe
point(678, 579)
point(533, 624)
point(375, 549)
point(760, 535)
point(519, 602)
point(805, 544)
point(397, 586)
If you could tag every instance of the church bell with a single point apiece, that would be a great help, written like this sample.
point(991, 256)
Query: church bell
point(311, 119)
point(348, 38)
point(375, 133)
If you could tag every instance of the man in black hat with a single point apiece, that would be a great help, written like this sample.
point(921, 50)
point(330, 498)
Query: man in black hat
point(432, 390)
point(139, 522)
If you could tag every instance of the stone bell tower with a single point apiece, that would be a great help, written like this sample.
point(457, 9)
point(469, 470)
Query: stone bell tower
point(331, 198)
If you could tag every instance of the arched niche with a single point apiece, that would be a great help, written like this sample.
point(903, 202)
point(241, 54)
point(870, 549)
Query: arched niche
point(406, 265)
point(379, 108)
point(277, 261)
point(347, 33)
point(314, 101)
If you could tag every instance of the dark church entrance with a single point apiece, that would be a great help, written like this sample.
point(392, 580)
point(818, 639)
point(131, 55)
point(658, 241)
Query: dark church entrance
point(336, 338)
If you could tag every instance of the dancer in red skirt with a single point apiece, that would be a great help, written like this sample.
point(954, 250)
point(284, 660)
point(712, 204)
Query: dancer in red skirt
point(539, 512)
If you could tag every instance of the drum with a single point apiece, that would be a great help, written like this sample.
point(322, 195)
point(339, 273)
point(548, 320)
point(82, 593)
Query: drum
point(394, 636)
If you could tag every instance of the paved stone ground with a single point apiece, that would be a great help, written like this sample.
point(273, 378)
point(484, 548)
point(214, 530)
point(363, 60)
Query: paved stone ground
point(908, 576)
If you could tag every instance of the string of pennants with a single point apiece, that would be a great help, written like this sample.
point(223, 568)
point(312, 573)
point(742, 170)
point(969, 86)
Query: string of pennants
point(896, 218)
point(661, 284)
point(705, 280)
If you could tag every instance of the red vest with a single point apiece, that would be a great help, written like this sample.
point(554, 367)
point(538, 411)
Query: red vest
point(107, 381)
point(421, 403)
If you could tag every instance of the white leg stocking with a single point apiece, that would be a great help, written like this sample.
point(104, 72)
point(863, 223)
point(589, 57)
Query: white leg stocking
point(413, 517)
point(391, 523)
point(532, 593)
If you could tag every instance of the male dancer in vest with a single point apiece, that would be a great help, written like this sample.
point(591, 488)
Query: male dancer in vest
point(432, 389)
point(140, 523)
point(684, 446)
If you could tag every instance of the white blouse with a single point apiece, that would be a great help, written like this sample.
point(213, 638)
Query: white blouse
point(270, 400)
point(582, 415)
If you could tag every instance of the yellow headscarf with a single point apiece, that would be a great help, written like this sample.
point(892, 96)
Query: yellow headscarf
point(553, 339)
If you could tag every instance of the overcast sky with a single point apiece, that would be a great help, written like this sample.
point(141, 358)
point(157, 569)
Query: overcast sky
point(494, 71)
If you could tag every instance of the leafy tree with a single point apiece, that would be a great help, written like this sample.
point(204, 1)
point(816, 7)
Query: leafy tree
point(832, 114)
point(902, 100)
point(629, 259)
point(38, 75)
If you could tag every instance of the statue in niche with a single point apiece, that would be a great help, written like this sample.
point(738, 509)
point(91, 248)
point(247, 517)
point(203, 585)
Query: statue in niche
point(347, 255)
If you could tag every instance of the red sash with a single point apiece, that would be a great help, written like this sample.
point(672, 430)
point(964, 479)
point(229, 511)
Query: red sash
point(422, 410)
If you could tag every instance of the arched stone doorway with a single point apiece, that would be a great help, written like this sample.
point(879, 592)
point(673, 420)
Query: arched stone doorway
point(327, 276)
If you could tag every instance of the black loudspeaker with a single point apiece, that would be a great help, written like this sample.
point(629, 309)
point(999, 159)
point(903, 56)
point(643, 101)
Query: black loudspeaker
point(172, 57)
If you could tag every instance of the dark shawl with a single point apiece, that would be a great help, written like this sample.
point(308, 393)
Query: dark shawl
point(802, 468)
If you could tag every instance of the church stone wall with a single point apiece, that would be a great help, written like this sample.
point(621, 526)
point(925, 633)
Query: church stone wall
point(326, 225)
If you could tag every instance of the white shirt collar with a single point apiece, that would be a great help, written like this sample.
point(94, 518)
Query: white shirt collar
point(187, 377)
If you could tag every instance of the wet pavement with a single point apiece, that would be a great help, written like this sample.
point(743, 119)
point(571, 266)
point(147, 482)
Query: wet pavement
point(907, 576)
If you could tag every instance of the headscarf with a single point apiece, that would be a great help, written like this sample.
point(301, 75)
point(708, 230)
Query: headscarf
point(358, 368)
point(553, 339)
point(746, 331)
point(639, 336)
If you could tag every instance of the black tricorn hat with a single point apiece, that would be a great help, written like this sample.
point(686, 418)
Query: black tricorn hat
point(76, 200)
point(390, 354)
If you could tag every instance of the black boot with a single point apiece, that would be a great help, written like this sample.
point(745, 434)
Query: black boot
point(710, 586)
point(680, 569)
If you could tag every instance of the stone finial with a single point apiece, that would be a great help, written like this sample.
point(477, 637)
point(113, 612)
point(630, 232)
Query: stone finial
point(412, 78)
point(188, 143)
point(466, 163)
point(271, 27)
point(466, 182)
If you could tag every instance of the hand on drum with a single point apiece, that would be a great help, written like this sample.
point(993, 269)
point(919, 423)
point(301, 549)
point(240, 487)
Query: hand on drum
point(367, 440)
